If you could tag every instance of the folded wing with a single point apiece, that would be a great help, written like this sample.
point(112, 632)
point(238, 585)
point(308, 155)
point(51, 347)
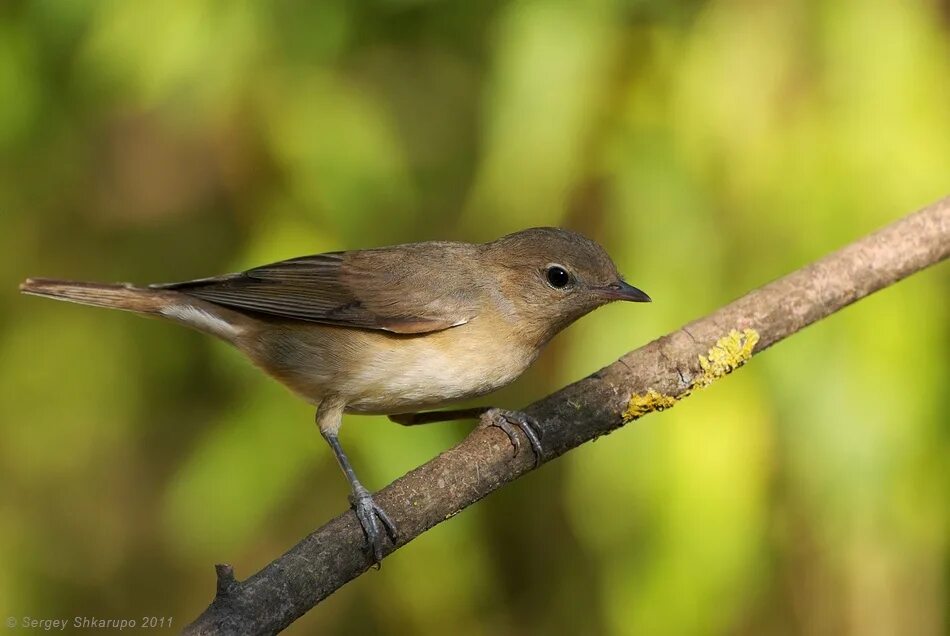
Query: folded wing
point(409, 289)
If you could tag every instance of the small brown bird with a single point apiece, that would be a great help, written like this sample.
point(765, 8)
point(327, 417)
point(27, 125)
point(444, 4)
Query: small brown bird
point(390, 330)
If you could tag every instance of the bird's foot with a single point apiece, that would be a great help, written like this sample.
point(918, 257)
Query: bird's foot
point(511, 422)
point(375, 522)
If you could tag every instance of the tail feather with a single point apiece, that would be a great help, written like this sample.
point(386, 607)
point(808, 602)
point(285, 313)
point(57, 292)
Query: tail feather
point(115, 296)
point(192, 312)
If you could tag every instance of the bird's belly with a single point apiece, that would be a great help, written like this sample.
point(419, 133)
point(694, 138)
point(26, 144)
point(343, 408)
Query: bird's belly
point(378, 372)
point(432, 371)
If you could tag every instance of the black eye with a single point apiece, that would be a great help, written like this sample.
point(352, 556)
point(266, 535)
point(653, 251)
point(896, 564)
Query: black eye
point(557, 276)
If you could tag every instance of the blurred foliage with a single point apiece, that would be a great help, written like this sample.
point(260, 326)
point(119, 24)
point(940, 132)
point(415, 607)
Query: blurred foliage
point(712, 146)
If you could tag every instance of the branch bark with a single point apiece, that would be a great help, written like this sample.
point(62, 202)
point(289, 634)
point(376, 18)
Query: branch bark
point(650, 378)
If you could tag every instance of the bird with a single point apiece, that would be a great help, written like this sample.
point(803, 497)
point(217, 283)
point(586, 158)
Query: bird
point(391, 330)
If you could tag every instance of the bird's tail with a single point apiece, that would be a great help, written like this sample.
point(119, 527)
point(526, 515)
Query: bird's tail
point(179, 307)
point(114, 296)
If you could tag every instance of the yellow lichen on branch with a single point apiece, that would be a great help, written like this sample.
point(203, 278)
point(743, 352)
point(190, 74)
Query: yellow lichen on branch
point(728, 354)
point(646, 403)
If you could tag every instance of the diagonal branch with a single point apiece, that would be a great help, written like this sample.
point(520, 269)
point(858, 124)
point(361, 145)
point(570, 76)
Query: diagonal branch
point(651, 378)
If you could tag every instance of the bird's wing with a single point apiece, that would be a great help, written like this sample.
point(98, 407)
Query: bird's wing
point(408, 289)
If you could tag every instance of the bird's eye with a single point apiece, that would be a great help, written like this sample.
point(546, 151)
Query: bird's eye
point(557, 276)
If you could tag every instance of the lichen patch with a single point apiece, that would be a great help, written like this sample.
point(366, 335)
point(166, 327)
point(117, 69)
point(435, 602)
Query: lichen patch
point(728, 354)
point(648, 402)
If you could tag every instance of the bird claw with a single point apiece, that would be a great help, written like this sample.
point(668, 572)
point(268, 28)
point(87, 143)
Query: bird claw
point(513, 421)
point(371, 516)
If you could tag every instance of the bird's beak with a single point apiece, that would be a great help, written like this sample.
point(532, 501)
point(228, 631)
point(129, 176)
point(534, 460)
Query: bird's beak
point(623, 291)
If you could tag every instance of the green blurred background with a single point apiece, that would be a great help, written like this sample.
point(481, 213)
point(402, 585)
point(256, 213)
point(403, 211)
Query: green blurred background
point(711, 146)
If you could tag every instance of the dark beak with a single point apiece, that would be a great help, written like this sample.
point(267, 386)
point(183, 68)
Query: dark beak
point(623, 291)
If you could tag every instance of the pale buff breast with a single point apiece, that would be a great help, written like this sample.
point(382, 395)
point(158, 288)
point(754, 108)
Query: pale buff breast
point(379, 372)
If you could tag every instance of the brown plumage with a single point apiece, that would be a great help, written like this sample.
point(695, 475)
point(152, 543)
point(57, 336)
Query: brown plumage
point(389, 330)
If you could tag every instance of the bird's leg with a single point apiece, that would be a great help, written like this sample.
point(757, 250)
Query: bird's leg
point(428, 417)
point(508, 421)
point(367, 511)
point(370, 515)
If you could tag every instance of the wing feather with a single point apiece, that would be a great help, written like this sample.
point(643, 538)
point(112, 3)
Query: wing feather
point(408, 289)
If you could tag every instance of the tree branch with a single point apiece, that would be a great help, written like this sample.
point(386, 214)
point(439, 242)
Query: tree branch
point(651, 378)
